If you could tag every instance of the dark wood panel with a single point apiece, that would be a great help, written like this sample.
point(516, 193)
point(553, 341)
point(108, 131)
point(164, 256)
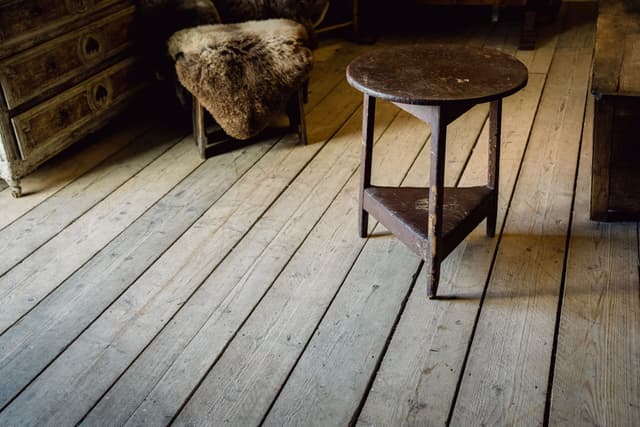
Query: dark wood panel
point(405, 212)
point(71, 114)
point(40, 70)
point(617, 31)
point(624, 198)
point(25, 23)
point(615, 183)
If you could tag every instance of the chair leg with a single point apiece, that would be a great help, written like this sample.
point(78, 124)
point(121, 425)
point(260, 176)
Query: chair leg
point(305, 91)
point(295, 112)
point(199, 128)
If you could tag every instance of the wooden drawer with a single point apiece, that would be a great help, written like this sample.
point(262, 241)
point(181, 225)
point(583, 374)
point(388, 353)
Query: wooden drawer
point(78, 111)
point(25, 23)
point(38, 71)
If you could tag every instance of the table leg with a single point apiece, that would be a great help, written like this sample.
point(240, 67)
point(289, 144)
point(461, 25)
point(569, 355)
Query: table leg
point(495, 124)
point(436, 197)
point(368, 121)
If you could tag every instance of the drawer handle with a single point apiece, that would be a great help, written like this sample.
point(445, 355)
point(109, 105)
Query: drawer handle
point(100, 96)
point(91, 46)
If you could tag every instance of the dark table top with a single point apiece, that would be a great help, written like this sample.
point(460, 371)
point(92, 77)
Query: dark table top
point(437, 74)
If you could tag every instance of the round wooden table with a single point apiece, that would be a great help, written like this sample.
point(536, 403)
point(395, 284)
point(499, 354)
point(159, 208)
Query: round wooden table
point(436, 84)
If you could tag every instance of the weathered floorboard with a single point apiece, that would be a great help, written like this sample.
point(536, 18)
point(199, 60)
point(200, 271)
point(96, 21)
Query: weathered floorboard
point(244, 381)
point(242, 295)
point(332, 374)
point(417, 380)
point(22, 287)
point(57, 173)
point(197, 336)
point(43, 222)
point(38, 338)
point(228, 220)
point(596, 379)
point(505, 378)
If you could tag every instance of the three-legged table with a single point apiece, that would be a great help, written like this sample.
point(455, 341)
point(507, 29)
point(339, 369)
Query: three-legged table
point(437, 84)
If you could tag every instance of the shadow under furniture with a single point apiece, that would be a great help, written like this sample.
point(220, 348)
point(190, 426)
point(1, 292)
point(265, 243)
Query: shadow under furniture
point(436, 84)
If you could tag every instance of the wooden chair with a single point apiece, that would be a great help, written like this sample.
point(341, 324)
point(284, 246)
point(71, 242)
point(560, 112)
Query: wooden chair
point(211, 140)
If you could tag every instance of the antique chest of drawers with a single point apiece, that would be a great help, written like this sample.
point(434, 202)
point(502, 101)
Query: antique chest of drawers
point(66, 68)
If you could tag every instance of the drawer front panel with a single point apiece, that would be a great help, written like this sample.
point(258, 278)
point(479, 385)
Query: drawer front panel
point(78, 111)
point(24, 23)
point(38, 70)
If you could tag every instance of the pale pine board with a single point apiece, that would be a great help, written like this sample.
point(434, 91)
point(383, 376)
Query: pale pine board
point(27, 283)
point(505, 379)
point(244, 381)
point(36, 227)
point(596, 379)
point(329, 63)
point(154, 387)
point(37, 339)
point(232, 215)
point(283, 352)
point(538, 60)
point(416, 382)
point(60, 171)
point(32, 280)
point(331, 376)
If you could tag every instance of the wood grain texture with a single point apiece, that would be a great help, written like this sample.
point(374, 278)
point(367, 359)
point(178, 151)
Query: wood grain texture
point(76, 112)
point(37, 72)
point(197, 336)
point(149, 292)
point(45, 221)
point(27, 283)
point(598, 355)
point(251, 306)
point(51, 177)
point(242, 384)
point(616, 85)
point(538, 60)
point(66, 312)
point(332, 375)
point(417, 378)
point(505, 378)
point(30, 22)
point(616, 58)
point(630, 71)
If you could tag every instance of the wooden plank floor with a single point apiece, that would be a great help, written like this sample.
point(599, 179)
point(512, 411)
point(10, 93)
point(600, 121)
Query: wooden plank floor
point(140, 285)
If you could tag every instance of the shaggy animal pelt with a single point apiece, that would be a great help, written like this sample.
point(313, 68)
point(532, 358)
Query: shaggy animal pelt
point(243, 73)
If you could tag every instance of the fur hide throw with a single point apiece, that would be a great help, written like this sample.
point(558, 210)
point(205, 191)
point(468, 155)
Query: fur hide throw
point(243, 73)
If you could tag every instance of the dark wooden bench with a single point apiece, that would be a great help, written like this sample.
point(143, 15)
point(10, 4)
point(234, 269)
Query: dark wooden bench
point(615, 184)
